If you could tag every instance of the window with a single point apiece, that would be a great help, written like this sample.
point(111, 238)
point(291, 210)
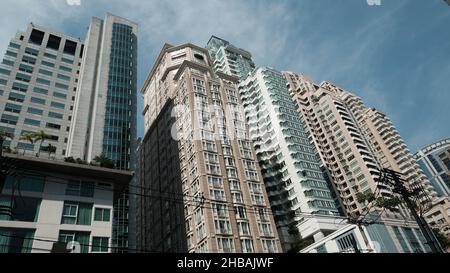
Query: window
point(67, 60)
point(81, 237)
point(65, 68)
point(45, 72)
point(244, 228)
point(27, 183)
point(78, 188)
point(24, 210)
point(23, 77)
point(15, 240)
point(14, 108)
point(70, 213)
point(43, 81)
point(49, 64)
point(53, 126)
point(8, 119)
point(102, 215)
point(8, 62)
point(70, 47)
point(265, 229)
point(247, 246)
point(53, 42)
point(37, 100)
point(61, 86)
point(5, 71)
point(100, 244)
point(16, 97)
point(57, 105)
point(63, 77)
point(51, 56)
point(55, 115)
point(225, 245)
point(222, 226)
point(11, 53)
point(32, 51)
point(215, 182)
point(20, 87)
point(36, 37)
point(240, 212)
point(269, 246)
point(14, 45)
point(59, 95)
point(28, 60)
point(40, 90)
point(76, 213)
point(26, 68)
point(35, 111)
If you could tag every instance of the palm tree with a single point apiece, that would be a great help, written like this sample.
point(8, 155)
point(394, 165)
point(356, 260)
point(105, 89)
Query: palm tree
point(51, 150)
point(104, 161)
point(27, 137)
point(3, 136)
point(40, 136)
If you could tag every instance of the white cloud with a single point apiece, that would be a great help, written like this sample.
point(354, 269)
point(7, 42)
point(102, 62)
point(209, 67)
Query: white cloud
point(73, 2)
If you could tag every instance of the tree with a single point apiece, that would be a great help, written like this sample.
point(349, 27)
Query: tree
point(443, 240)
point(104, 161)
point(50, 149)
point(40, 136)
point(3, 136)
point(70, 159)
point(27, 137)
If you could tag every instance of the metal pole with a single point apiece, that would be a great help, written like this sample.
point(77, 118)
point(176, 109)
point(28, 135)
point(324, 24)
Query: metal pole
point(426, 230)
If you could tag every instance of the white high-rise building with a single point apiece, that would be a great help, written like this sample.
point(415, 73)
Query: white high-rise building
point(38, 85)
point(300, 196)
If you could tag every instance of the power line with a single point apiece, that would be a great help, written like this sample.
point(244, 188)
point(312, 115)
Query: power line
point(53, 241)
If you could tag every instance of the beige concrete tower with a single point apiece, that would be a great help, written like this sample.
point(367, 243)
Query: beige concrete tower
point(355, 142)
point(225, 206)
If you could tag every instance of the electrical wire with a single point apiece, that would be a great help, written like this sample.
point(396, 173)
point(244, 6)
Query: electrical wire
point(56, 241)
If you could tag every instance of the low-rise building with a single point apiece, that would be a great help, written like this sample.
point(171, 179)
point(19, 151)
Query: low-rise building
point(44, 202)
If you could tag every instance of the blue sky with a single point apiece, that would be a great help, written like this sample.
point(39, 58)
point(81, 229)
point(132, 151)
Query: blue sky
point(395, 56)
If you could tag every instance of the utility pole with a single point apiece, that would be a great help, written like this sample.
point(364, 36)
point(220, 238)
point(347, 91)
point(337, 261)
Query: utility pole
point(392, 177)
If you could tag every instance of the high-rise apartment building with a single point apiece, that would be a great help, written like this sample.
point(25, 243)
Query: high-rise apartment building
point(434, 160)
point(355, 142)
point(104, 119)
point(229, 59)
point(225, 207)
point(283, 161)
point(38, 84)
point(298, 192)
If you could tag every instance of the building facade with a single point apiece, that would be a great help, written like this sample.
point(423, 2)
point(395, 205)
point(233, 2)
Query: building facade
point(435, 162)
point(360, 239)
point(225, 206)
point(47, 202)
point(83, 95)
point(299, 194)
point(38, 85)
point(104, 121)
point(229, 59)
point(355, 142)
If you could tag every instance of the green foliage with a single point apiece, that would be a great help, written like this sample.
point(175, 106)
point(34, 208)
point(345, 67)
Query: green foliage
point(105, 161)
point(70, 159)
point(301, 244)
point(444, 240)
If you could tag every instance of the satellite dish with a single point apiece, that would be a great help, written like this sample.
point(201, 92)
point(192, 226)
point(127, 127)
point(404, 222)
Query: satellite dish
point(73, 247)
